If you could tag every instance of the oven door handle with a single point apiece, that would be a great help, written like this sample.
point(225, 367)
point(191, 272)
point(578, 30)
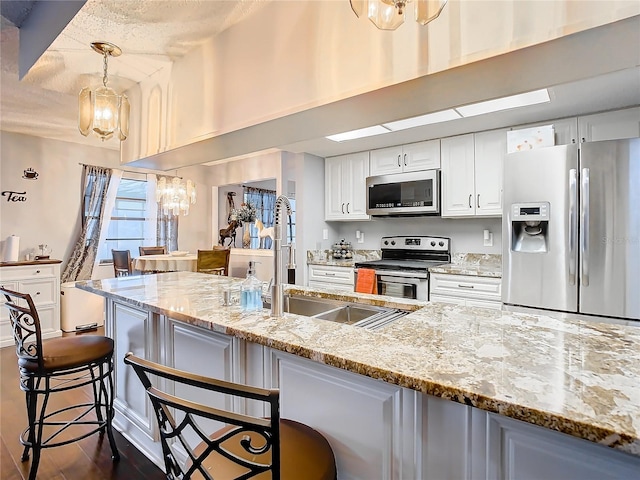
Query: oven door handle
point(402, 273)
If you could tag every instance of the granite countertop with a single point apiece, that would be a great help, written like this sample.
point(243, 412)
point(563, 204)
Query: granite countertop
point(472, 264)
point(574, 376)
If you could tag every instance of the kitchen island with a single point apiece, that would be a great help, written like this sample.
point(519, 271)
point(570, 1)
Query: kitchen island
point(444, 392)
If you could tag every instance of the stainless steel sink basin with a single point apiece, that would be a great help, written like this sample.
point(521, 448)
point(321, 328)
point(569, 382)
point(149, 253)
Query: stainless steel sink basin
point(367, 316)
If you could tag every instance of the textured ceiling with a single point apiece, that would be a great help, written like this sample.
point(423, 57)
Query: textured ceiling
point(151, 34)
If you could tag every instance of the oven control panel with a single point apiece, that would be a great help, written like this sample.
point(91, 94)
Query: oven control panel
point(420, 243)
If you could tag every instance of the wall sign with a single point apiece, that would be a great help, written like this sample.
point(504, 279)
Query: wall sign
point(30, 174)
point(15, 196)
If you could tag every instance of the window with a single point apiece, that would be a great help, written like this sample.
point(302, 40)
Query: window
point(127, 226)
point(264, 202)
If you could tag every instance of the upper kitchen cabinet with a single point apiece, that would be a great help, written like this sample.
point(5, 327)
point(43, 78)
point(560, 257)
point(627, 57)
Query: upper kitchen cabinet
point(613, 125)
point(472, 174)
point(565, 130)
point(406, 158)
point(345, 187)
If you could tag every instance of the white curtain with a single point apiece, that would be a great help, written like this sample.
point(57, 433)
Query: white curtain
point(151, 213)
point(110, 202)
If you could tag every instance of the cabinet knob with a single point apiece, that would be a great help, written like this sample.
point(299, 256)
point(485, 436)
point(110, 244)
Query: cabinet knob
point(37, 271)
point(37, 293)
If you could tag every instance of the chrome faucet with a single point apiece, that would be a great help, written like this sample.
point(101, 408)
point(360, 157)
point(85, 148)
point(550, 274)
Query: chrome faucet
point(277, 293)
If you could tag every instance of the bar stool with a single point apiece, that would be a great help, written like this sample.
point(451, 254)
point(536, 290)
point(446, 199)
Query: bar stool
point(248, 447)
point(59, 365)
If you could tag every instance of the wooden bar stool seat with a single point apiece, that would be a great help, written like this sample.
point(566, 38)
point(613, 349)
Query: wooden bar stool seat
point(54, 366)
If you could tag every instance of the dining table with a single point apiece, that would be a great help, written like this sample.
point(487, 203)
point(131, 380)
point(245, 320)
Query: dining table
point(166, 263)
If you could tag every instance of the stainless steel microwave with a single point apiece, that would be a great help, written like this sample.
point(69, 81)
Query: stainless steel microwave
point(404, 194)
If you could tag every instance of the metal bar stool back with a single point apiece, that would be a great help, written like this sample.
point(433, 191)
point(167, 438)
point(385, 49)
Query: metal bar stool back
point(58, 365)
point(248, 447)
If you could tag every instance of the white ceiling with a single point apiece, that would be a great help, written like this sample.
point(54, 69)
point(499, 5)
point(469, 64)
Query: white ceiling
point(152, 33)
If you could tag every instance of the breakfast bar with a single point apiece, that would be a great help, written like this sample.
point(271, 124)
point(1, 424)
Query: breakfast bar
point(443, 392)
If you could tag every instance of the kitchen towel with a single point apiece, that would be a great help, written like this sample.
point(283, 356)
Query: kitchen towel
point(366, 282)
point(11, 249)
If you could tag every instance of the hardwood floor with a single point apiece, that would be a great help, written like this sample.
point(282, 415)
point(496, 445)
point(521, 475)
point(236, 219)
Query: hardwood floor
point(88, 459)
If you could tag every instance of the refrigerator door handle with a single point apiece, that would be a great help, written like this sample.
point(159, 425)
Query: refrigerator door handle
point(573, 224)
point(584, 230)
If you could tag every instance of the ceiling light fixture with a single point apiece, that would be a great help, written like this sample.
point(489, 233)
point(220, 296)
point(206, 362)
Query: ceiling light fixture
point(505, 103)
point(428, 119)
point(389, 14)
point(175, 196)
point(102, 111)
point(360, 133)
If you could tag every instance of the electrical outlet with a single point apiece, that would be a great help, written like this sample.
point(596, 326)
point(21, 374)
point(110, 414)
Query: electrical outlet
point(325, 234)
point(488, 238)
point(361, 238)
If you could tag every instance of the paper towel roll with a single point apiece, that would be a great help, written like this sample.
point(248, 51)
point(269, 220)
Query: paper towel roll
point(11, 249)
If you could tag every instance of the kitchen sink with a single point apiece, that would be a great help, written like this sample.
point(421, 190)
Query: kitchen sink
point(359, 315)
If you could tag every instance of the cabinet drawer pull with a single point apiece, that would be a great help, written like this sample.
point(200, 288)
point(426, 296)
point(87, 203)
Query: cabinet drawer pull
point(348, 207)
point(465, 286)
point(399, 160)
point(478, 203)
point(342, 208)
point(327, 274)
point(405, 159)
point(470, 197)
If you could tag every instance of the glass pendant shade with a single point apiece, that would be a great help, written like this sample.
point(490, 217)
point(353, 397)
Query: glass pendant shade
point(428, 10)
point(175, 197)
point(385, 15)
point(104, 113)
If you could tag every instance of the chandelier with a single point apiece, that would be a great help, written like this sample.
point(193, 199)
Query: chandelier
point(389, 14)
point(175, 196)
point(102, 111)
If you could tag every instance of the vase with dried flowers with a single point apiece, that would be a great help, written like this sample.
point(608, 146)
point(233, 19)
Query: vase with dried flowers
point(246, 214)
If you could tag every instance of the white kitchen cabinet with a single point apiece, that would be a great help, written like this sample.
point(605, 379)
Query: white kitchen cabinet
point(134, 330)
point(370, 424)
point(519, 450)
point(345, 187)
point(42, 282)
point(412, 157)
point(472, 174)
point(565, 130)
point(613, 125)
point(331, 276)
point(466, 290)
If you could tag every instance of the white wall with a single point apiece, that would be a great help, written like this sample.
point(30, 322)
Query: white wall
point(51, 212)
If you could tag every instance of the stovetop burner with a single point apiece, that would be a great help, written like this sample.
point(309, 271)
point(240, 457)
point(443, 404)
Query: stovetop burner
point(411, 253)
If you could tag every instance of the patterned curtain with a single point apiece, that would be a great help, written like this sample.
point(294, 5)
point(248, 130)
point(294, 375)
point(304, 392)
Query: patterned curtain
point(95, 181)
point(264, 201)
point(167, 227)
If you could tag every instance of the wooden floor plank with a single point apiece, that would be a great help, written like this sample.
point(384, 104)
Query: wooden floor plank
point(87, 459)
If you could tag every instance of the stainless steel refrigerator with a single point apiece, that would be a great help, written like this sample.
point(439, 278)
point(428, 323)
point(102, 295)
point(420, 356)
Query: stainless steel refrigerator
point(571, 228)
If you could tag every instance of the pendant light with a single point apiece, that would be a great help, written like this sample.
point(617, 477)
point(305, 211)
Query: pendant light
point(389, 14)
point(175, 196)
point(103, 111)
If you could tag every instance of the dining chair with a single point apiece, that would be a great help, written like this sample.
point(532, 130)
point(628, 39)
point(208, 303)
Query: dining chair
point(54, 366)
point(159, 250)
point(247, 447)
point(215, 261)
point(121, 263)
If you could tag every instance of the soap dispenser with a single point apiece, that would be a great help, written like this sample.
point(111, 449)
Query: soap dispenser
point(251, 290)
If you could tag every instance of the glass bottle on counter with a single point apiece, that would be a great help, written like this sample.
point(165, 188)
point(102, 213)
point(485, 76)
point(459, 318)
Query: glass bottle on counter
point(251, 290)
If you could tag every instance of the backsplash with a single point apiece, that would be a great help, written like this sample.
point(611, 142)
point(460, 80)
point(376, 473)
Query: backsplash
point(315, 256)
point(477, 259)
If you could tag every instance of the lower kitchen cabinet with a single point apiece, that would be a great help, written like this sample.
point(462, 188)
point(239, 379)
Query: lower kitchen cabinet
point(331, 276)
point(465, 290)
point(42, 282)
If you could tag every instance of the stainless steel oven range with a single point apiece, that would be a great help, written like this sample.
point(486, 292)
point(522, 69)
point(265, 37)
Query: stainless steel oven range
point(403, 270)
